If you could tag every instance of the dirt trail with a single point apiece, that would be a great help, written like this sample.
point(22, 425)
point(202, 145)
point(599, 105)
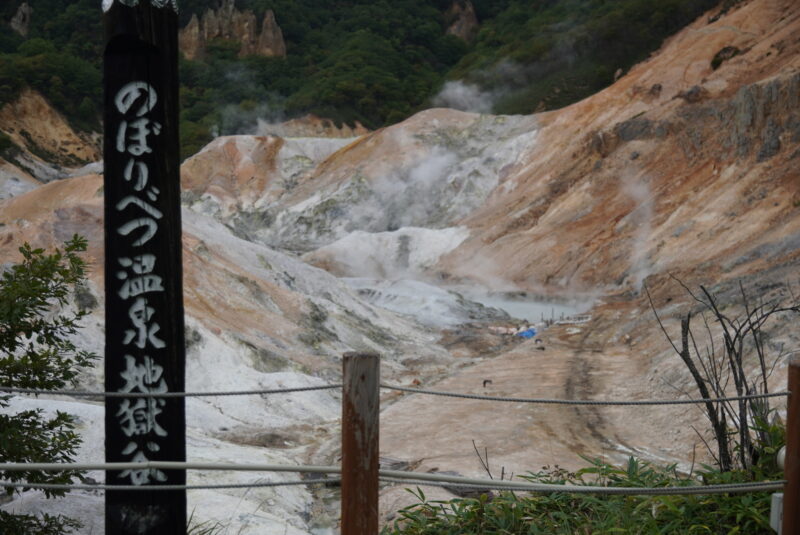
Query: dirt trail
point(436, 433)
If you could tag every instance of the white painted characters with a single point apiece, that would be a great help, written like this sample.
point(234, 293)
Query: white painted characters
point(139, 417)
point(133, 138)
point(131, 92)
point(144, 331)
point(143, 281)
point(139, 280)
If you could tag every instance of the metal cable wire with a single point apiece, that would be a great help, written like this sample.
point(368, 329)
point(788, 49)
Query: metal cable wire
point(764, 486)
point(549, 401)
point(256, 484)
point(453, 482)
point(414, 478)
point(544, 401)
point(170, 465)
point(84, 393)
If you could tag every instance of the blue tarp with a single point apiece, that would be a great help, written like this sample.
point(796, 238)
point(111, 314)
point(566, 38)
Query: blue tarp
point(527, 333)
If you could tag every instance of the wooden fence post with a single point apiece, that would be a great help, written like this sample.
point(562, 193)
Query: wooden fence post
point(360, 408)
point(791, 468)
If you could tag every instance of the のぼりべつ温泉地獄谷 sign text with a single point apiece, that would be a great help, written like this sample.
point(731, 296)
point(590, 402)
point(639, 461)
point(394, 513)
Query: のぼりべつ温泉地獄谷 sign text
point(144, 291)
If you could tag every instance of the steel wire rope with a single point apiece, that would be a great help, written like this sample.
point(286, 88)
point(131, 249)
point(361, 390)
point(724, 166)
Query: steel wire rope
point(385, 475)
point(102, 486)
point(554, 401)
point(544, 401)
point(85, 393)
point(170, 465)
point(762, 486)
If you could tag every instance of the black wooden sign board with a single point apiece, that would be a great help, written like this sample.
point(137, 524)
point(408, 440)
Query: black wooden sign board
point(145, 350)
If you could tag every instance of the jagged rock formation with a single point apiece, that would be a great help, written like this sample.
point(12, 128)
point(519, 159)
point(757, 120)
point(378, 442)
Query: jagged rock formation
point(462, 20)
point(22, 19)
point(229, 23)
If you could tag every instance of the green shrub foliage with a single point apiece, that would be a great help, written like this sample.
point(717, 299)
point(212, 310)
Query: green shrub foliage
point(512, 513)
point(36, 352)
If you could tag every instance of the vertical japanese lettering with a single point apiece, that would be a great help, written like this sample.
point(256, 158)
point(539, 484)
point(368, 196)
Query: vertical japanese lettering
point(138, 418)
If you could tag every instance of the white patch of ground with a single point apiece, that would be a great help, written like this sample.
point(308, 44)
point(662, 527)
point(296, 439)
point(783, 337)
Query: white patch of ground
point(391, 255)
point(426, 303)
point(14, 181)
point(428, 179)
point(253, 511)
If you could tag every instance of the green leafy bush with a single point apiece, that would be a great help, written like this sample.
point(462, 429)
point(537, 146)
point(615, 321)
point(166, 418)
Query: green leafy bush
point(569, 513)
point(36, 352)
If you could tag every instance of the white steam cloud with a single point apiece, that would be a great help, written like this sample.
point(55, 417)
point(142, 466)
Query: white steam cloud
point(641, 218)
point(407, 253)
point(414, 197)
point(462, 96)
point(503, 78)
point(236, 119)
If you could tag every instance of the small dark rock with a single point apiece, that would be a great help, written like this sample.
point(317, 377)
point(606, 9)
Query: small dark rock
point(655, 90)
point(84, 298)
point(312, 477)
point(464, 492)
point(192, 337)
point(636, 128)
point(388, 463)
point(770, 137)
point(694, 94)
point(724, 54)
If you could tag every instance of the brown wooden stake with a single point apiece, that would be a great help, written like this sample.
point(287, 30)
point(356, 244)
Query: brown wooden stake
point(791, 468)
point(360, 408)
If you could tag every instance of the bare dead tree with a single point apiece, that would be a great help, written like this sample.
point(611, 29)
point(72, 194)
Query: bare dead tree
point(742, 359)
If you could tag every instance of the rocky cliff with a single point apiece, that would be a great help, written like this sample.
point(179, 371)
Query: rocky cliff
point(462, 20)
point(21, 20)
point(227, 22)
point(43, 145)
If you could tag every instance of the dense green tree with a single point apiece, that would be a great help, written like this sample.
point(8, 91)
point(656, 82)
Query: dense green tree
point(373, 61)
point(36, 352)
point(565, 50)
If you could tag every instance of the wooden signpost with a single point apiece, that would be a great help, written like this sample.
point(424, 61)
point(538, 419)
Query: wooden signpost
point(145, 350)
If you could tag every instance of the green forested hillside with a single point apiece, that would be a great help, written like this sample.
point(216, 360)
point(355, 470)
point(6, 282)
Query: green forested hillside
point(373, 61)
point(561, 51)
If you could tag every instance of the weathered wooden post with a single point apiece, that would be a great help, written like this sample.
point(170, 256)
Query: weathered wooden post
point(360, 408)
point(791, 467)
point(143, 279)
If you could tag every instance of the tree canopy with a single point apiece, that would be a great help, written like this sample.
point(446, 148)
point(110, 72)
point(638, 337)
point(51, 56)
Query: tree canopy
point(372, 61)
